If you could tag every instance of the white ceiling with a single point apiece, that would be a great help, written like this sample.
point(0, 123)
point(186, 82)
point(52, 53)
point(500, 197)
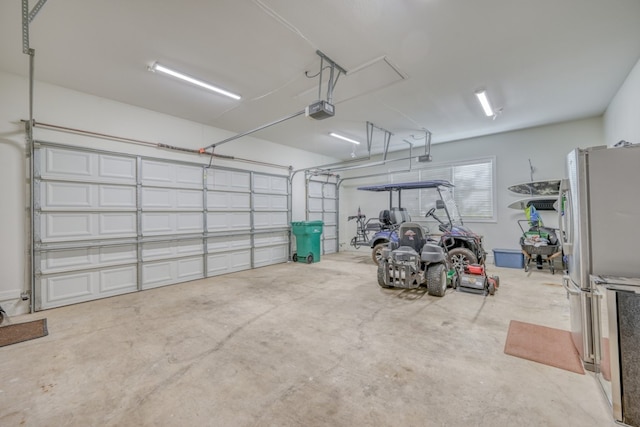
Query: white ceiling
point(411, 64)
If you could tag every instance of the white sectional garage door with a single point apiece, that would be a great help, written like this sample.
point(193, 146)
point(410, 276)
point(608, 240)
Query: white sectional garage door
point(322, 205)
point(107, 224)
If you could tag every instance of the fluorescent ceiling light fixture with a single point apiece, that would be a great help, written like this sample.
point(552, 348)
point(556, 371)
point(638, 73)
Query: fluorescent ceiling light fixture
point(484, 101)
point(344, 138)
point(168, 71)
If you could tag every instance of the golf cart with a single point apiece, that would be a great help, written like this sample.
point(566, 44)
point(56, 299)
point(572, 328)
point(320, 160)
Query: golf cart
point(463, 247)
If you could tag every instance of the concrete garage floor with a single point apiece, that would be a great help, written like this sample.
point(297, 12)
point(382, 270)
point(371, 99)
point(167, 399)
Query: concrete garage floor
point(297, 345)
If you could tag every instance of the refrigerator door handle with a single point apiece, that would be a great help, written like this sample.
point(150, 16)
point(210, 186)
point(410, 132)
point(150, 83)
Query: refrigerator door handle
point(564, 201)
point(566, 280)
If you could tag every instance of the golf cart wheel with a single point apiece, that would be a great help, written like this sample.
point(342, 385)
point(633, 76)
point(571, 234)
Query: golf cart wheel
point(295, 257)
point(436, 280)
point(309, 258)
point(460, 257)
point(376, 253)
point(382, 280)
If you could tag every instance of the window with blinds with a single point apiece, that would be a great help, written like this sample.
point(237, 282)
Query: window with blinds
point(473, 191)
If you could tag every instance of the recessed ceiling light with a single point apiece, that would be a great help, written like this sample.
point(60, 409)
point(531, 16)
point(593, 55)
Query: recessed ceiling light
point(344, 138)
point(168, 71)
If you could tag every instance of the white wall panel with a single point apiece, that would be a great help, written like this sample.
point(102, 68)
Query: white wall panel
point(221, 221)
point(220, 201)
point(270, 219)
point(228, 180)
point(228, 262)
point(269, 184)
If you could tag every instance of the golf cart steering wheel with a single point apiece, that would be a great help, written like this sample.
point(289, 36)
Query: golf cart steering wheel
point(430, 213)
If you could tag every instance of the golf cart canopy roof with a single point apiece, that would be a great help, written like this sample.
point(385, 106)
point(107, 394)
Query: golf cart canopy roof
point(408, 185)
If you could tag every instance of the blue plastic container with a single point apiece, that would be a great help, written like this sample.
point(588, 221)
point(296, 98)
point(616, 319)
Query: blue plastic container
point(511, 258)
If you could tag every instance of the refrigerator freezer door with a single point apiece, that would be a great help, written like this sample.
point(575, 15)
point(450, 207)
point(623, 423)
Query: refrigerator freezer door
point(614, 211)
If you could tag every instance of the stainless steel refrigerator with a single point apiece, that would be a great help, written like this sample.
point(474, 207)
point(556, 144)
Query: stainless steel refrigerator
point(600, 228)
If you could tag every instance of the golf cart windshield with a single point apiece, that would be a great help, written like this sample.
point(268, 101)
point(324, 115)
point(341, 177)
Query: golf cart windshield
point(452, 207)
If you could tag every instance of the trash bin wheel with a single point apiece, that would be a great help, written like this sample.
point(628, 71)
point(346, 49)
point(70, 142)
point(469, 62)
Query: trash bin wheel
point(295, 257)
point(309, 258)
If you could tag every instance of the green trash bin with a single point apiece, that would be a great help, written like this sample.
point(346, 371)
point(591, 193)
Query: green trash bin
point(307, 240)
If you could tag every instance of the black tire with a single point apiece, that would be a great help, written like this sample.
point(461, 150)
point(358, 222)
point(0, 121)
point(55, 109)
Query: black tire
point(295, 257)
point(309, 258)
point(436, 280)
point(382, 282)
point(461, 257)
point(376, 253)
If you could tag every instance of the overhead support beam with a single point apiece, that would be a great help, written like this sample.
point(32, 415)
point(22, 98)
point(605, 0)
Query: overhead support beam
point(27, 17)
point(386, 141)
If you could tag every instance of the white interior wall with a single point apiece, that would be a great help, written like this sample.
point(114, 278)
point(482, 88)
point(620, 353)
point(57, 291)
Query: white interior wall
point(622, 118)
point(62, 107)
point(546, 146)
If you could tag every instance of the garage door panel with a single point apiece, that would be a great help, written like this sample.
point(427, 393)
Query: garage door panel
point(329, 191)
point(315, 205)
point(270, 202)
point(171, 199)
point(270, 255)
point(84, 258)
point(70, 288)
point(269, 239)
point(162, 223)
point(165, 174)
point(329, 246)
point(67, 226)
point(315, 216)
point(228, 262)
point(329, 205)
point(269, 184)
point(59, 195)
point(75, 165)
point(270, 220)
point(117, 168)
point(117, 280)
point(226, 180)
point(315, 189)
point(329, 231)
point(171, 249)
point(228, 201)
point(220, 244)
point(162, 273)
point(116, 224)
point(221, 221)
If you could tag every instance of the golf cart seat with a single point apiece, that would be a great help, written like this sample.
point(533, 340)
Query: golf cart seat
point(411, 234)
point(384, 217)
point(399, 216)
